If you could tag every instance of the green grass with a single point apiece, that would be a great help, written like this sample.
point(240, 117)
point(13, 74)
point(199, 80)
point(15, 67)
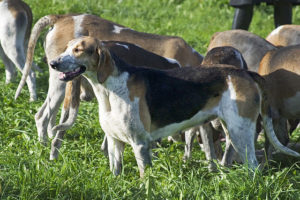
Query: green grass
point(82, 171)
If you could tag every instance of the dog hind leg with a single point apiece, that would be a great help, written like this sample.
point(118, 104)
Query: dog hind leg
point(242, 135)
point(189, 138)
point(206, 132)
point(10, 70)
point(16, 55)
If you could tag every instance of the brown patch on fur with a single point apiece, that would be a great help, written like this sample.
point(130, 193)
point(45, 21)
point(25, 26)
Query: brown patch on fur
point(72, 94)
point(67, 99)
point(105, 67)
point(282, 74)
point(137, 89)
point(225, 55)
point(59, 40)
point(286, 36)
point(166, 46)
point(247, 96)
point(251, 46)
point(179, 50)
point(214, 101)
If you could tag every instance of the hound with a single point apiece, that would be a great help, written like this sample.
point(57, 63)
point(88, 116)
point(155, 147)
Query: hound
point(285, 35)
point(128, 52)
point(15, 25)
point(139, 105)
point(280, 68)
point(211, 132)
point(68, 27)
point(251, 46)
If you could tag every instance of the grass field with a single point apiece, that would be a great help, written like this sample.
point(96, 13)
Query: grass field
point(82, 171)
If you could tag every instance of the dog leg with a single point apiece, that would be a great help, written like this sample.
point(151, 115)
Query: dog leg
point(242, 134)
point(68, 115)
point(51, 124)
point(228, 154)
point(56, 142)
point(10, 70)
point(142, 154)
point(206, 132)
point(189, 138)
point(115, 154)
point(51, 105)
point(104, 147)
point(16, 55)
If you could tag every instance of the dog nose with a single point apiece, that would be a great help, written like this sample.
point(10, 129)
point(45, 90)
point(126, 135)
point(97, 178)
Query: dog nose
point(54, 64)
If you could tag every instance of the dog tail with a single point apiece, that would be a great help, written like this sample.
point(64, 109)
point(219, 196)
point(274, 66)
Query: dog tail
point(267, 119)
point(35, 33)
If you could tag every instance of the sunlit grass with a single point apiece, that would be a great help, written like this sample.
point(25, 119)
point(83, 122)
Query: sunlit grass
point(82, 171)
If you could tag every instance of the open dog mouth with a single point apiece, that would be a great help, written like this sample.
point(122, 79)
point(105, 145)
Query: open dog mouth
point(67, 76)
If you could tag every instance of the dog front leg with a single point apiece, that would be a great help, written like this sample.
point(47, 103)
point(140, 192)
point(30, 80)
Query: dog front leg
point(104, 146)
point(56, 142)
point(115, 154)
point(142, 154)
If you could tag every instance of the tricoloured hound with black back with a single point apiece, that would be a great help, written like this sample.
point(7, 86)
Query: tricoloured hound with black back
point(139, 105)
point(211, 132)
point(126, 51)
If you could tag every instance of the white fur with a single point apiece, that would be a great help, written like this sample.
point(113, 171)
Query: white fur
point(77, 25)
point(118, 29)
point(231, 89)
point(123, 45)
point(238, 127)
point(171, 129)
point(173, 61)
point(276, 31)
point(124, 114)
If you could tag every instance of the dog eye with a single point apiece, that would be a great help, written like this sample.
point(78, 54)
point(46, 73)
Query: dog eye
point(76, 50)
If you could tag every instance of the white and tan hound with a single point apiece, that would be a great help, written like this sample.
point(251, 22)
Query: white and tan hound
point(285, 35)
point(281, 70)
point(251, 46)
point(139, 105)
point(15, 26)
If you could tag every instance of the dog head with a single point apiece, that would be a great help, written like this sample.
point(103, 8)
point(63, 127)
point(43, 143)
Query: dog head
point(225, 55)
point(83, 54)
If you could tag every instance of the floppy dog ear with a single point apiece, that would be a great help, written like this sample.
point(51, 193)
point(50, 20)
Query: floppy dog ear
point(105, 64)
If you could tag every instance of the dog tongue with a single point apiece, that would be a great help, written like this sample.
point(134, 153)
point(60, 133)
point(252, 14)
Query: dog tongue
point(61, 75)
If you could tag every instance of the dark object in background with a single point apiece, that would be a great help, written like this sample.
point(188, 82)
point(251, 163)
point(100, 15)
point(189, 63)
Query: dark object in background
point(244, 11)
